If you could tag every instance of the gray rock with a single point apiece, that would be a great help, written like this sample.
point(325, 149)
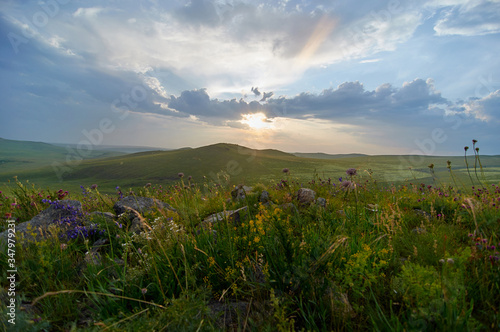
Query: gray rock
point(264, 197)
point(235, 216)
point(135, 222)
point(422, 213)
point(140, 204)
point(305, 196)
point(321, 202)
point(93, 256)
point(418, 230)
point(239, 193)
point(37, 228)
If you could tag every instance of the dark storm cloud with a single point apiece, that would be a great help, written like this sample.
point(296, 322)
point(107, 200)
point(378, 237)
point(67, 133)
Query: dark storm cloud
point(198, 102)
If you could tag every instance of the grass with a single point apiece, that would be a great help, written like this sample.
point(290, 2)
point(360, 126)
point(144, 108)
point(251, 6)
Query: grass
point(417, 256)
point(235, 164)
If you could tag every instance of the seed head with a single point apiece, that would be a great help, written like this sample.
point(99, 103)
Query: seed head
point(351, 171)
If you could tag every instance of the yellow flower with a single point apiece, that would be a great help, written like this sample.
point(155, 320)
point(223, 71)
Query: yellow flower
point(256, 239)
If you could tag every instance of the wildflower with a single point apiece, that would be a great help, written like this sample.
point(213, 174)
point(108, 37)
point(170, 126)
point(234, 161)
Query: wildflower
point(351, 171)
point(346, 184)
point(181, 175)
point(285, 170)
point(144, 291)
point(148, 185)
point(64, 246)
point(474, 141)
point(450, 261)
point(93, 187)
point(190, 178)
point(466, 148)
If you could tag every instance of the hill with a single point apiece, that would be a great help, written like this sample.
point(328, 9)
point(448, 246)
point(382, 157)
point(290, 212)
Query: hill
point(320, 155)
point(23, 155)
point(233, 164)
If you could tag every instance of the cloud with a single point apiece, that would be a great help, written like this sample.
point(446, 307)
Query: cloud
point(266, 96)
point(256, 91)
point(468, 18)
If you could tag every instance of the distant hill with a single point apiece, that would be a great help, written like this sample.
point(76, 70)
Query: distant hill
point(320, 155)
point(20, 155)
point(230, 164)
point(123, 149)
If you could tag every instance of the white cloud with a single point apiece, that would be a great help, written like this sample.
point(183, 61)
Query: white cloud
point(468, 18)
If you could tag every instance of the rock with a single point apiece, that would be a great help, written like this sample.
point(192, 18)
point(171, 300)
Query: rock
point(140, 204)
point(36, 228)
point(305, 196)
point(92, 256)
point(239, 193)
point(422, 213)
point(418, 230)
point(235, 216)
point(264, 197)
point(321, 202)
point(136, 223)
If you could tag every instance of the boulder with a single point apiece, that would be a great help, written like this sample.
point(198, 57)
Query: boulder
point(305, 196)
point(59, 213)
point(140, 204)
point(264, 197)
point(321, 202)
point(235, 216)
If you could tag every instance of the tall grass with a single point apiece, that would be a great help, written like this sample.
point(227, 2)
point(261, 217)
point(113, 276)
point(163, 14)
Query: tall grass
point(413, 257)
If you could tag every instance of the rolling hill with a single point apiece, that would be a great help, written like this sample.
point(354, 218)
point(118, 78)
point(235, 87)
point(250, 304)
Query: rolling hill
point(233, 164)
point(23, 155)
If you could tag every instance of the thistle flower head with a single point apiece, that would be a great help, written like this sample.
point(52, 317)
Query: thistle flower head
point(466, 148)
point(346, 184)
point(351, 171)
point(180, 175)
point(285, 170)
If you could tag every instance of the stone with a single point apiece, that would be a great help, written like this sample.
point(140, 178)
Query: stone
point(140, 204)
point(422, 213)
point(235, 216)
point(305, 196)
point(264, 197)
point(37, 228)
point(93, 257)
point(136, 222)
point(321, 202)
point(239, 193)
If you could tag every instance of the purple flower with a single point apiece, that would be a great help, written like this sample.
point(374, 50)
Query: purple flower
point(351, 171)
point(94, 186)
point(346, 184)
point(285, 170)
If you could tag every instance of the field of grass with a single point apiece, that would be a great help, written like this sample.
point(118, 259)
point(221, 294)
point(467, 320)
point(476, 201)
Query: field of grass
point(415, 257)
point(233, 164)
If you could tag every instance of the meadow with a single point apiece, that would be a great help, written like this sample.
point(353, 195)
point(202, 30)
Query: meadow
point(417, 252)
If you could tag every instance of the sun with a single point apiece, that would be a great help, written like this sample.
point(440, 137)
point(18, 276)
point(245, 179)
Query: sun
point(257, 121)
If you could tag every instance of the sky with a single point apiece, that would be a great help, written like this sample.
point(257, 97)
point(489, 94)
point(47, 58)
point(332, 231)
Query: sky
point(373, 77)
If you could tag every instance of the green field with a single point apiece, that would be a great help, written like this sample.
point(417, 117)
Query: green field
point(367, 256)
point(46, 166)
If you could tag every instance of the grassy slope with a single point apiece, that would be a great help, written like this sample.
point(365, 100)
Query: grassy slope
point(242, 165)
point(25, 155)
